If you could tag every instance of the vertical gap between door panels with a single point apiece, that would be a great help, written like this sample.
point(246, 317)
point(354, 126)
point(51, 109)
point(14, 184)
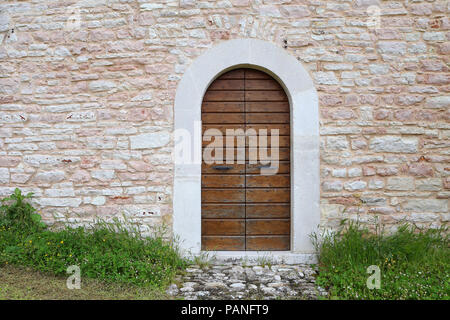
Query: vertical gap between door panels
point(245, 165)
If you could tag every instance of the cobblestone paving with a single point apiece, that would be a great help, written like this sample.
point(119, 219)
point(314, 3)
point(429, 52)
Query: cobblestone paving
point(235, 281)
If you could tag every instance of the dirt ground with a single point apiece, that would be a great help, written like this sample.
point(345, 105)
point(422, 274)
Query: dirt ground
point(17, 283)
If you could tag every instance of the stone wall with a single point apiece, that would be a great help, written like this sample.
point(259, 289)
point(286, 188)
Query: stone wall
point(87, 91)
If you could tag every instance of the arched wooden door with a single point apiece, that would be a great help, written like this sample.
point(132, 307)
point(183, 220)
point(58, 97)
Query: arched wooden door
point(241, 208)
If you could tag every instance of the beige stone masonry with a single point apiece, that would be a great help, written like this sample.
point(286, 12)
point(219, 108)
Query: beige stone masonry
point(87, 92)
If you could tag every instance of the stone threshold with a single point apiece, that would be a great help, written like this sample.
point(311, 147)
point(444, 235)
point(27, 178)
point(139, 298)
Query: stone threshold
point(234, 281)
point(258, 257)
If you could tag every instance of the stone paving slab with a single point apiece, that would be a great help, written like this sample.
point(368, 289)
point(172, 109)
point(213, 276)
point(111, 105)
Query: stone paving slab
point(235, 281)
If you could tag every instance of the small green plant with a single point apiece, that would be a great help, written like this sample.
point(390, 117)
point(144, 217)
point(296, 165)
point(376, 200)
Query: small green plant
point(265, 260)
point(112, 251)
point(245, 262)
point(18, 213)
point(413, 263)
point(203, 260)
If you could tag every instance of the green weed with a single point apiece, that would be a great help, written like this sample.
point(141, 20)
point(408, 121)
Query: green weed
point(112, 252)
point(414, 263)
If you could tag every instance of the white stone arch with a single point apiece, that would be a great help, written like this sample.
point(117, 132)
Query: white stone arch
point(305, 180)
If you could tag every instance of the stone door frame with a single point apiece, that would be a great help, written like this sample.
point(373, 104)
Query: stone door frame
point(305, 178)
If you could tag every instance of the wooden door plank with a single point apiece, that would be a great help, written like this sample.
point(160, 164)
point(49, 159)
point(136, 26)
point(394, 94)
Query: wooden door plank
point(224, 211)
point(256, 74)
point(210, 129)
point(227, 141)
point(268, 181)
point(267, 117)
point(257, 154)
point(267, 106)
point(222, 155)
point(235, 168)
point(283, 129)
point(233, 74)
point(272, 243)
point(282, 167)
point(243, 154)
point(223, 195)
point(267, 195)
point(268, 211)
point(262, 84)
point(227, 84)
point(221, 243)
point(267, 226)
point(223, 118)
point(249, 130)
point(223, 181)
point(223, 106)
point(263, 95)
point(282, 141)
point(223, 227)
point(272, 168)
point(224, 96)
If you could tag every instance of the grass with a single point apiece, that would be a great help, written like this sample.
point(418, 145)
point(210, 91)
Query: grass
point(203, 260)
point(265, 260)
point(414, 263)
point(112, 253)
point(19, 283)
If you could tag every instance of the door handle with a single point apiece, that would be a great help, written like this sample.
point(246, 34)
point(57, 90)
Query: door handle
point(222, 167)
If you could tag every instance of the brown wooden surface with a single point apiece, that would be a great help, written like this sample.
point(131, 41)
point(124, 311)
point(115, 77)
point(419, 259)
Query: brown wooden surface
point(221, 243)
point(209, 169)
point(221, 118)
point(223, 181)
point(256, 74)
point(267, 106)
point(228, 84)
point(241, 208)
point(226, 95)
point(223, 227)
point(258, 243)
point(263, 96)
point(228, 211)
point(269, 84)
point(221, 106)
point(233, 74)
point(230, 129)
point(268, 181)
point(267, 211)
point(249, 129)
point(267, 226)
point(272, 195)
point(283, 141)
point(282, 168)
point(283, 129)
point(223, 195)
point(267, 117)
point(245, 153)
